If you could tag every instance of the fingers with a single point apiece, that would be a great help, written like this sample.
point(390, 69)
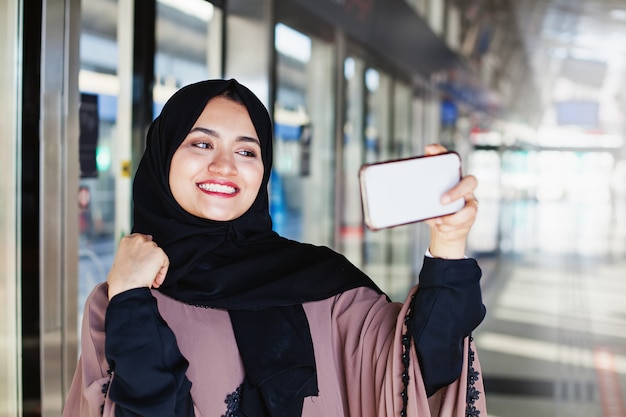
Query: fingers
point(449, 233)
point(160, 278)
point(434, 149)
point(461, 220)
point(464, 189)
point(139, 262)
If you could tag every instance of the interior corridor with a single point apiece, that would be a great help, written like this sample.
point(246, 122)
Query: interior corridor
point(554, 340)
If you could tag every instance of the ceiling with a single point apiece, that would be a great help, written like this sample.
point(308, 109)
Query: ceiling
point(542, 52)
point(594, 29)
point(576, 50)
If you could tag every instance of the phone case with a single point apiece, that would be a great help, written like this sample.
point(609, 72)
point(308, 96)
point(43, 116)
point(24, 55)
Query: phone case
point(408, 190)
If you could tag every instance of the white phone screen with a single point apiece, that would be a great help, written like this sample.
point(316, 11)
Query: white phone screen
point(408, 190)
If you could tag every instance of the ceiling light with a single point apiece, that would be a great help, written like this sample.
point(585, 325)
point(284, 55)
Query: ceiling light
point(196, 8)
point(292, 43)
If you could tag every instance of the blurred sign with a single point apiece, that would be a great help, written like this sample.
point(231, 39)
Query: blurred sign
point(88, 137)
point(449, 113)
point(125, 169)
point(577, 113)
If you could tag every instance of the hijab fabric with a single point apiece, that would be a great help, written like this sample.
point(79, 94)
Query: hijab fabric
point(241, 265)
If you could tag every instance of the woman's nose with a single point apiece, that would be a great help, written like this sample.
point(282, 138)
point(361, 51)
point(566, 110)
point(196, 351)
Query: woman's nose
point(223, 163)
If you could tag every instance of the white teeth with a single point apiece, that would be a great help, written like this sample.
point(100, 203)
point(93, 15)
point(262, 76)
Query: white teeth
point(218, 188)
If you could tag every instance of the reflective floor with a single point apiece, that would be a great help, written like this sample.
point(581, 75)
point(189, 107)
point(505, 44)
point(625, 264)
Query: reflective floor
point(554, 340)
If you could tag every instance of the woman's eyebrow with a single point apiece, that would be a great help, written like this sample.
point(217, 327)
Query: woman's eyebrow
point(215, 134)
point(206, 131)
point(249, 139)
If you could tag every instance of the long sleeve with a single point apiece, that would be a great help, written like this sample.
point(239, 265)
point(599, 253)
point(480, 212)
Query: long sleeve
point(134, 328)
point(446, 308)
point(376, 354)
point(148, 369)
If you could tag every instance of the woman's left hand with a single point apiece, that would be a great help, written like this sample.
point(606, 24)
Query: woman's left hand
point(448, 234)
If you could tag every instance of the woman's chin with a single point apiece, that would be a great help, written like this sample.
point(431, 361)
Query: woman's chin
point(219, 216)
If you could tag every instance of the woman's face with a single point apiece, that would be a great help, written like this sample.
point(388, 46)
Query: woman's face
point(216, 172)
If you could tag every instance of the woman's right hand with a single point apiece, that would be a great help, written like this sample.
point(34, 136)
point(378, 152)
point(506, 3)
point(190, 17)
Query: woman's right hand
point(139, 262)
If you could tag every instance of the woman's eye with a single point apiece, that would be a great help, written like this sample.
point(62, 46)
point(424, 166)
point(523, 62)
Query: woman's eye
point(250, 154)
point(202, 145)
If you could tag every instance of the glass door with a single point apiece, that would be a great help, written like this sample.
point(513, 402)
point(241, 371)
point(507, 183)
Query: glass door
point(303, 178)
point(402, 249)
point(188, 46)
point(377, 135)
point(379, 112)
point(352, 228)
point(188, 39)
point(100, 161)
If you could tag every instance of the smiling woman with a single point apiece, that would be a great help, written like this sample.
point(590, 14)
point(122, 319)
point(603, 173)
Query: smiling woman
point(207, 311)
point(217, 171)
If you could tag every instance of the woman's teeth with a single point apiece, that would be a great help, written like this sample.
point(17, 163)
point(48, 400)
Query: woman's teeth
point(218, 188)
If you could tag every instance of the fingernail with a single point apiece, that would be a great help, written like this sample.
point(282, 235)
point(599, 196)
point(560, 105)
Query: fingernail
point(445, 199)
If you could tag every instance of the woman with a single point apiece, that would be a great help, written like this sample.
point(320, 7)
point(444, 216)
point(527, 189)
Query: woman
point(208, 312)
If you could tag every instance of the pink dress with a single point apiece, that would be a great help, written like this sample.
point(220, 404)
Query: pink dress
point(357, 339)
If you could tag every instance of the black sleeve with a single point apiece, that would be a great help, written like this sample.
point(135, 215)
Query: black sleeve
point(148, 369)
point(446, 308)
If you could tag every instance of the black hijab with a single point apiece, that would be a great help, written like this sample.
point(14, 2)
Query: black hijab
point(241, 265)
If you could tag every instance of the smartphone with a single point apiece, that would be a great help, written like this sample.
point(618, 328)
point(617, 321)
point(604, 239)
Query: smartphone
point(409, 190)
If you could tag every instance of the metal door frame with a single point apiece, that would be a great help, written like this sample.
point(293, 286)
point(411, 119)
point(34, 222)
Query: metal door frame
point(10, 117)
point(58, 193)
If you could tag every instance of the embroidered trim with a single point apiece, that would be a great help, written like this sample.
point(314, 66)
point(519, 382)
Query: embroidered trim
point(406, 358)
point(105, 390)
point(472, 395)
point(232, 403)
point(472, 376)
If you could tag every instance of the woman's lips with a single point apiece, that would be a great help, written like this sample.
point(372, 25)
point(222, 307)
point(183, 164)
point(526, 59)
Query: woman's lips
point(227, 189)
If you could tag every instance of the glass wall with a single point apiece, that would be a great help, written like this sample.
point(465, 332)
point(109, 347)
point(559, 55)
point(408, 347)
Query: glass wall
point(402, 249)
point(376, 114)
point(559, 202)
point(485, 165)
point(381, 116)
point(188, 49)
point(351, 230)
point(376, 249)
point(188, 46)
point(99, 86)
point(303, 177)
point(379, 113)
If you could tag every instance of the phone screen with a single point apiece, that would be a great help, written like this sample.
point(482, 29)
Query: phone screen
point(408, 190)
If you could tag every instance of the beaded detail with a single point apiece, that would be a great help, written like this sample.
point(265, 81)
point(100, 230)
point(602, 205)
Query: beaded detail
point(105, 390)
point(406, 358)
point(472, 375)
point(472, 393)
point(232, 403)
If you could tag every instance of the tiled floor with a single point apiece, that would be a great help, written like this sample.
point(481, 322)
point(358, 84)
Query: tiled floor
point(554, 340)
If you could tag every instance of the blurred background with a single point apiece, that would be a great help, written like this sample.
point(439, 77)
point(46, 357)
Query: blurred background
point(530, 93)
